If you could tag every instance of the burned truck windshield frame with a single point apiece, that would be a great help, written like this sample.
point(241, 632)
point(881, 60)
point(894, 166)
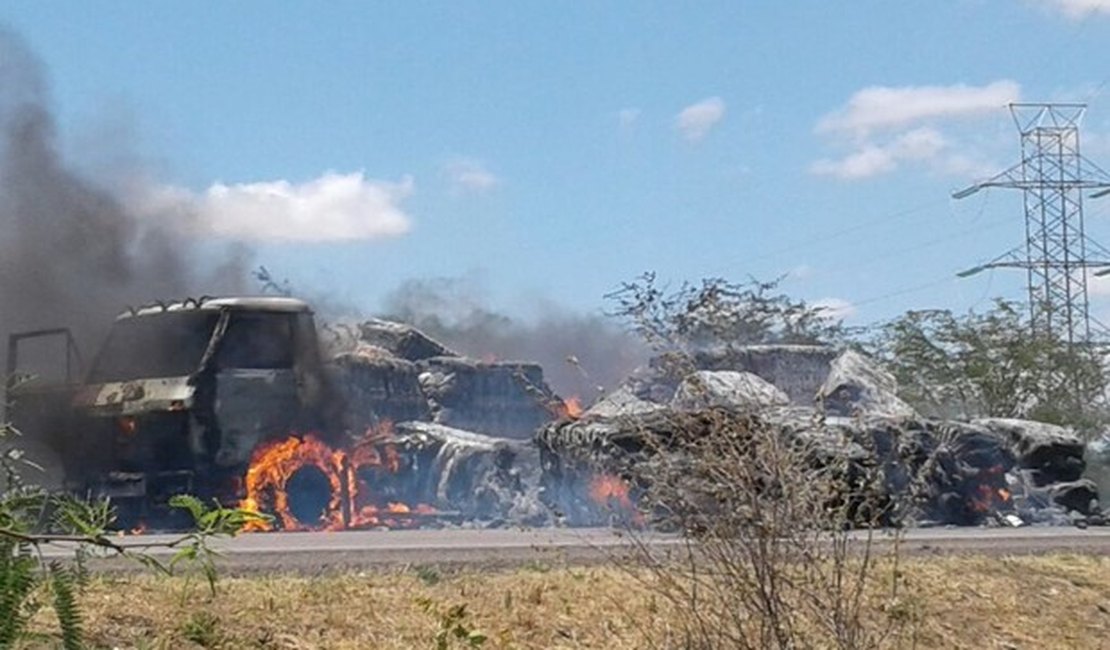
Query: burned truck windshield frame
point(160, 345)
point(257, 340)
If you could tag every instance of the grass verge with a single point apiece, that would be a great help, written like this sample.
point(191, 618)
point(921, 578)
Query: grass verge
point(1055, 601)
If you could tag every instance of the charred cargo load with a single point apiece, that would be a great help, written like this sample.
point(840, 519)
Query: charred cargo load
point(175, 400)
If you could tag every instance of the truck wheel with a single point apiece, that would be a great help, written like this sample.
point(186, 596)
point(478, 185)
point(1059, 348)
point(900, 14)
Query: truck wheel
point(130, 514)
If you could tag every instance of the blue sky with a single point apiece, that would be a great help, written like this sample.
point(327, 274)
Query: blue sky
point(548, 151)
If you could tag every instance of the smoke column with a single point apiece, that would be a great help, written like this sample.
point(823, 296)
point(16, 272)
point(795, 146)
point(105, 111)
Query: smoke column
point(579, 353)
point(71, 253)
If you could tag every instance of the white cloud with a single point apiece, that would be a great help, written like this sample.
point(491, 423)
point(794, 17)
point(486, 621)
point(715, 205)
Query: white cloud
point(835, 308)
point(800, 272)
point(333, 207)
point(884, 127)
point(469, 176)
point(627, 117)
point(1078, 8)
point(886, 107)
point(695, 121)
point(868, 161)
point(873, 159)
point(1097, 287)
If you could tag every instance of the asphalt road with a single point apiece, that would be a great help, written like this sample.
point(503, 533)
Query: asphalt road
point(318, 552)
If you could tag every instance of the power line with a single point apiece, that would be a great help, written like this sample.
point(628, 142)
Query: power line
point(823, 238)
point(901, 292)
point(929, 243)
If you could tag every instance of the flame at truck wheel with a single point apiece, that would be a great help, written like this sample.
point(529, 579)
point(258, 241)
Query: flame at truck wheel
point(274, 463)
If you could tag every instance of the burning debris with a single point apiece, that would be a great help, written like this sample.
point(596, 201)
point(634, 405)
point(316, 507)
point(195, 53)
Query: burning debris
point(389, 428)
point(389, 477)
point(986, 472)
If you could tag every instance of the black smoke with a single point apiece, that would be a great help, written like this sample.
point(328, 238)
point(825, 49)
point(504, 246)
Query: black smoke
point(71, 251)
point(582, 354)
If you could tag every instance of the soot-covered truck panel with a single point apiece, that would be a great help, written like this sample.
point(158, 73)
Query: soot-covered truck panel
point(177, 398)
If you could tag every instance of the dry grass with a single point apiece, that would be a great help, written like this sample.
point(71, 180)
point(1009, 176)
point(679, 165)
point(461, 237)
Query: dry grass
point(956, 602)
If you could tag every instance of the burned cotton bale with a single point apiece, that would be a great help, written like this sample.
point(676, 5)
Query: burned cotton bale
point(797, 370)
point(963, 479)
point(376, 388)
point(476, 476)
point(622, 401)
point(727, 389)
point(857, 386)
point(581, 458)
point(503, 399)
point(1080, 496)
point(401, 340)
point(1053, 453)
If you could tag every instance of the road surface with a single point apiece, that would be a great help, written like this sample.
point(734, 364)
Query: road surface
point(317, 552)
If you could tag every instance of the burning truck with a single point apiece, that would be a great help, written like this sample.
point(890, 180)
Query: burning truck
point(175, 400)
point(232, 399)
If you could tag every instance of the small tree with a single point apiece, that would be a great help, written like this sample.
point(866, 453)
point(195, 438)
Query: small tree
point(718, 312)
point(991, 364)
point(715, 314)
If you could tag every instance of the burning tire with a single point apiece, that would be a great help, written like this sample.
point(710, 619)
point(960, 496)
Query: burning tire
point(309, 495)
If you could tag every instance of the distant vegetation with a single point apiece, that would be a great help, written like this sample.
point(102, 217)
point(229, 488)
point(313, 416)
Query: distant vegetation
point(979, 364)
point(992, 364)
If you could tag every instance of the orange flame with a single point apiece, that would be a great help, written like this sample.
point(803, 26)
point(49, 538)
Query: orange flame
point(570, 408)
point(987, 496)
point(613, 492)
point(607, 488)
point(274, 463)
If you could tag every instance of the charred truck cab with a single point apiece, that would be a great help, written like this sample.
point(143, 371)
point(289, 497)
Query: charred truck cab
point(176, 400)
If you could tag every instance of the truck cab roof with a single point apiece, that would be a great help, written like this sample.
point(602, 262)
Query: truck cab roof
point(237, 303)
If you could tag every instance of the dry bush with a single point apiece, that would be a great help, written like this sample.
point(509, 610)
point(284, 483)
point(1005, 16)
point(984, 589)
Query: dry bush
point(779, 546)
point(778, 524)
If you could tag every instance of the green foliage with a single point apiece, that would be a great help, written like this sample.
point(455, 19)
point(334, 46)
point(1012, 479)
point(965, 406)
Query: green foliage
point(454, 624)
point(991, 364)
point(716, 312)
point(63, 585)
point(31, 517)
point(203, 629)
point(429, 575)
point(209, 522)
point(18, 581)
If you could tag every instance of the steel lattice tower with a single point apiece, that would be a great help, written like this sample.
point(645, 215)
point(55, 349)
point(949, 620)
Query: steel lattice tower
point(1053, 176)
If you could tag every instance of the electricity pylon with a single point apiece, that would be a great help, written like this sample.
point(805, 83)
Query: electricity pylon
point(1057, 254)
